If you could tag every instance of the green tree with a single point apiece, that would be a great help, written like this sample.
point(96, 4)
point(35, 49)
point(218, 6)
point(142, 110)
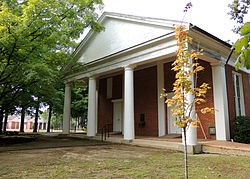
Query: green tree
point(241, 46)
point(79, 104)
point(37, 38)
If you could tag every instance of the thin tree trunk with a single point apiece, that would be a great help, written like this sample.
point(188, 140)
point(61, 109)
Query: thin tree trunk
point(1, 121)
point(5, 122)
point(22, 119)
point(49, 118)
point(185, 153)
point(36, 117)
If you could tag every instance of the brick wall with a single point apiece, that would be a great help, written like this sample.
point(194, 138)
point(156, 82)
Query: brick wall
point(230, 93)
point(205, 76)
point(105, 106)
point(117, 87)
point(246, 89)
point(145, 92)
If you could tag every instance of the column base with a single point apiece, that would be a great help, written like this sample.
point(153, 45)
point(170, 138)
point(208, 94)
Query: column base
point(127, 141)
point(65, 133)
point(191, 149)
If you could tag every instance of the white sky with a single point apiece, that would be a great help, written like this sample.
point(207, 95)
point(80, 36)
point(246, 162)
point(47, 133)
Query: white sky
point(210, 15)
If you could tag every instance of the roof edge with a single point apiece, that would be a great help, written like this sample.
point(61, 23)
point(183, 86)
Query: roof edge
point(210, 35)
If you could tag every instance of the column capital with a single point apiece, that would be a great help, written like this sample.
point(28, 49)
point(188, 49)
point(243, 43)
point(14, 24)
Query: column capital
point(160, 63)
point(129, 67)
point(218, 63)
point(68, 84)
point(92, 77)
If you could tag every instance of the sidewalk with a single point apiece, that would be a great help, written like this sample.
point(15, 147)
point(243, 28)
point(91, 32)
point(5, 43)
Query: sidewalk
point(173, 143)
point(226, 147)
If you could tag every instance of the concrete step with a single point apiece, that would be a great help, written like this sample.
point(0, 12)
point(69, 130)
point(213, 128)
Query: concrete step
point(156, 144)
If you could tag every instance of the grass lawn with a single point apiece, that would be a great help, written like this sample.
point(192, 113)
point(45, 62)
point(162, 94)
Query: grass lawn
point(117, 161)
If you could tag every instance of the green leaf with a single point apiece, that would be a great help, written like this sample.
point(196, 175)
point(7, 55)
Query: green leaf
point(237, 65)
point(245, 29)
point(247, 58)
point(242, 42)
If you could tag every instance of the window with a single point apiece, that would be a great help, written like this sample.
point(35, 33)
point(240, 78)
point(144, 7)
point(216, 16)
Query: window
point(238, 94)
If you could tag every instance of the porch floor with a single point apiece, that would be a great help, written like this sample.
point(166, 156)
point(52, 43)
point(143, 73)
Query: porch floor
point(173, 142)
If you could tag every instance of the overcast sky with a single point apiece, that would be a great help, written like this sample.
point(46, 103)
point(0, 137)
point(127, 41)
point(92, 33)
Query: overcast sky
point(210, 15)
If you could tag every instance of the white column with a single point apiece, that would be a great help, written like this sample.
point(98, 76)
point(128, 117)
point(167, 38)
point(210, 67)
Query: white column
point(220, 102)
point(161, 101)
point(91, 125)
point(191, 132)
point(96, 109)
point(129, 131)
point(67, 109)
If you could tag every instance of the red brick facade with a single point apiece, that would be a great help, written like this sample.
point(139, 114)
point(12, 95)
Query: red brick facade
point(105, 106)
point(145, 101)
point(204, 76)
point(117, 87)
point(206, 120)
point(246, 88)
point(145, 92)
point(230, 93)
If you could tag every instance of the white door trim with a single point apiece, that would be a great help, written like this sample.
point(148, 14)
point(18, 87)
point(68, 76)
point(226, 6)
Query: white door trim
point(171, 129)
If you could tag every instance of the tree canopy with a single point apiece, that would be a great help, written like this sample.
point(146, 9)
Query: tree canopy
point(242, 47)
point(36, 41)
point(238, 10)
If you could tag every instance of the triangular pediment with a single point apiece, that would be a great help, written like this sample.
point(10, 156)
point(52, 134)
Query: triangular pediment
point(121, 32)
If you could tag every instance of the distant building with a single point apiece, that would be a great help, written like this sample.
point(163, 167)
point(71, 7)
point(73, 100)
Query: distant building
point(14, 122)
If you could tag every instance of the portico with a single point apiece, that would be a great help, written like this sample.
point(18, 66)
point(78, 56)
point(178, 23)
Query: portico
point(126, 74)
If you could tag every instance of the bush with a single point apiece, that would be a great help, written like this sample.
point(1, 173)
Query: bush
point(242, 129)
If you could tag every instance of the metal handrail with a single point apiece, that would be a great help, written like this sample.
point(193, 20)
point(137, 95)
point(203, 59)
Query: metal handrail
point(105, 131)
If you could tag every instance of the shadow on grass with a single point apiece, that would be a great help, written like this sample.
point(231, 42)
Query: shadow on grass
point(37, 141)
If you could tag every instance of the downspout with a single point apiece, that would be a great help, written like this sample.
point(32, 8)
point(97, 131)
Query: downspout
point(229, 56)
